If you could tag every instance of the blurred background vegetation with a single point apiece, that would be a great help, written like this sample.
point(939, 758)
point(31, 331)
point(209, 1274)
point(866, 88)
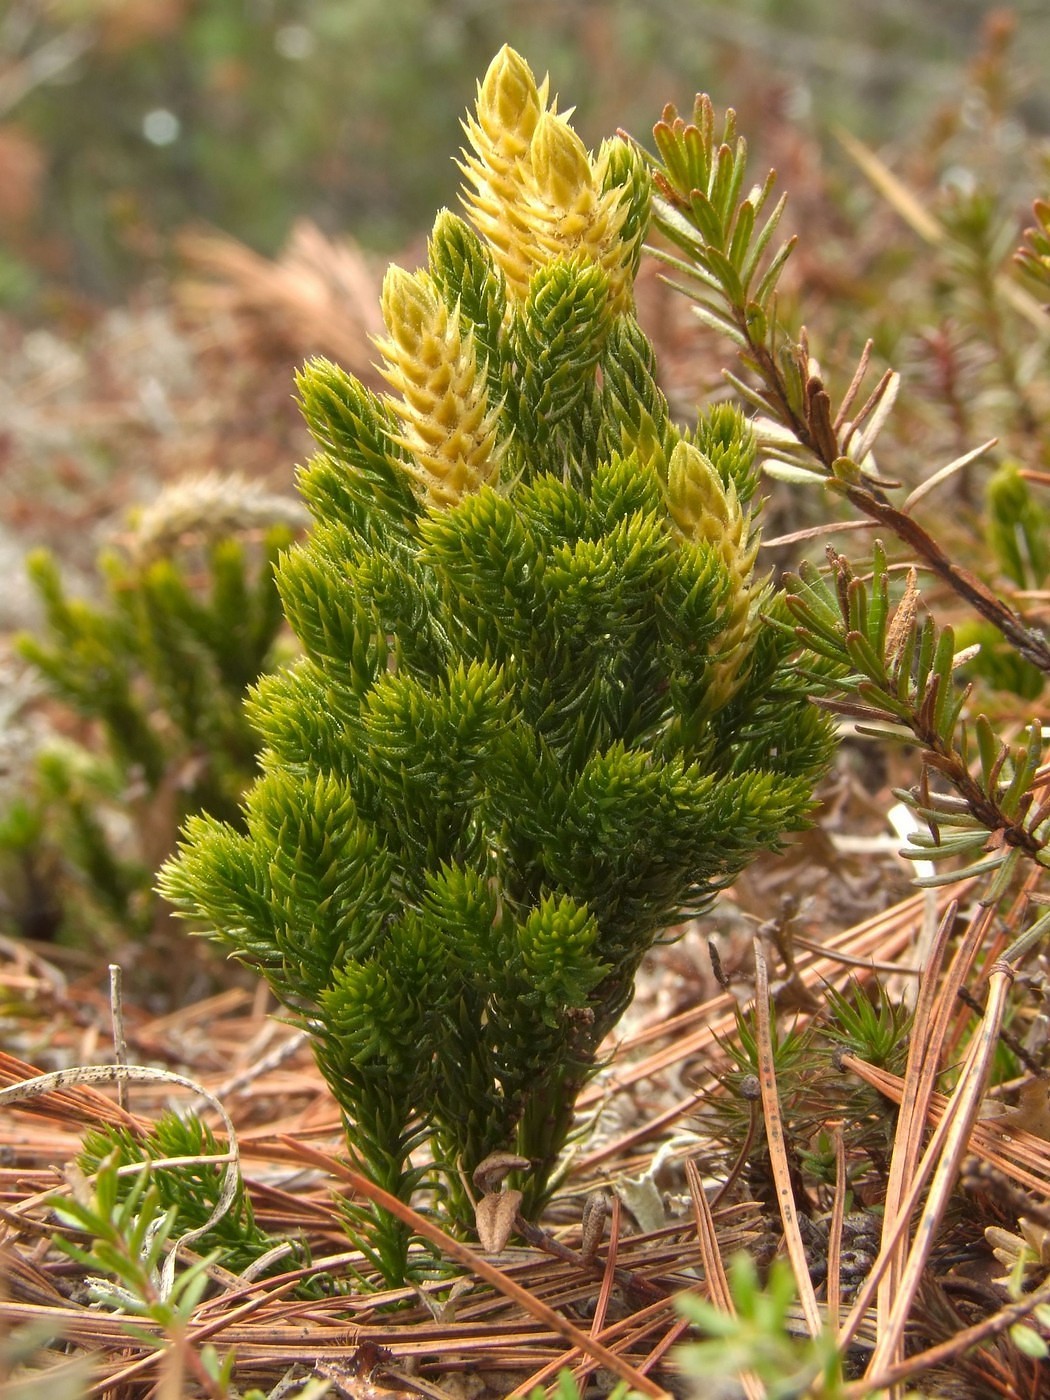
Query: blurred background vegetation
point(121, 121)
point(197, 195)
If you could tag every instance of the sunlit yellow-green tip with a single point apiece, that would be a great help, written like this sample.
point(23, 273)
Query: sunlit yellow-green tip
point(509, 101)
point(561, 166)
point(700, 505)
point(448, 426)
point(534, 192)
point(706, 509)
point(411, 308)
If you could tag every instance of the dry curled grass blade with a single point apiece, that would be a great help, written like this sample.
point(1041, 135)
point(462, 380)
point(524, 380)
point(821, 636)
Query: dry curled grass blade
point(714, 1269)
point(960, 1116)
point(778, 1157)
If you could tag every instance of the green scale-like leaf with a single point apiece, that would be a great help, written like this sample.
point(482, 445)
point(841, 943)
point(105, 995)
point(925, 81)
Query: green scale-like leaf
point(558, 338)
point(467, 278)
point(360, 471)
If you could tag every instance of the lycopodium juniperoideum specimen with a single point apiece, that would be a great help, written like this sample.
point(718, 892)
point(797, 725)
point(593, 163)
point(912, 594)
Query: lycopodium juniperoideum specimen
point(541, 713)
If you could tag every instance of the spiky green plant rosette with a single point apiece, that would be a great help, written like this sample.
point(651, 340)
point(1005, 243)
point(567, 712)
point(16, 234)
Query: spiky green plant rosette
point(541, 714)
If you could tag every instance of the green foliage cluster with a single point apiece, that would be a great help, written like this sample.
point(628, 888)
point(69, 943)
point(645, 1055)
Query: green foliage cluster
point(127, 1230)
point(157, 671)
point(1017, 536)
point(757, 1337)
point(192, 1191)
point(120, 1232)
point(900, 666)
point(541, 715)
point(813, 1092)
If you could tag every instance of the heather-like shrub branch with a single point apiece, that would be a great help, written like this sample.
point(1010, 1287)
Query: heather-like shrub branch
point(1033, 258)
point(893, 671)
point(897, 683)
point(541, 714)
point(731, 273)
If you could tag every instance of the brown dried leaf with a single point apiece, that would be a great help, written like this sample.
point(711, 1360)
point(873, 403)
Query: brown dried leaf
point(495, 1215)
point(595, 1210)
point(493, 1169)
point(903, 619)
point(1033, 1109)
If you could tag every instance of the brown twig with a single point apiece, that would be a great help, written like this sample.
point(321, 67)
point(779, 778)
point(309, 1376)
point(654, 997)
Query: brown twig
point(541, 1239)
point(1031, 644)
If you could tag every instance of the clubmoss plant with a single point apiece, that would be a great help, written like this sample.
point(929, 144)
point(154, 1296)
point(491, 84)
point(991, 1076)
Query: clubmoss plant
point(541, 714)
point(156, 670)
point(193, 1191)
